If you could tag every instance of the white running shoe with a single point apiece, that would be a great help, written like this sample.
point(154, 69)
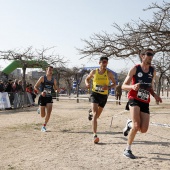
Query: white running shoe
point(43, 129)
point(127, 128)
point(38, 110)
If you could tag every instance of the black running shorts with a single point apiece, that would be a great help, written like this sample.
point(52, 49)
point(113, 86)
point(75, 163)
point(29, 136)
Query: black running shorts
point(144, 107)
point(100, 99)
point(42, 101)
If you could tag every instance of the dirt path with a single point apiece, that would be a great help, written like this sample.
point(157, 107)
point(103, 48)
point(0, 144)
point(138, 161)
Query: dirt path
point(68, 143)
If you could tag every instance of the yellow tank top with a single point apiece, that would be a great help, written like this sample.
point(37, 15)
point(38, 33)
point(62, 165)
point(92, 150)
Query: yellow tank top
point(99, 81)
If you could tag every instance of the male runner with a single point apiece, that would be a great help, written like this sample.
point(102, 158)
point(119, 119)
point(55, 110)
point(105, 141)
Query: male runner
point(47, 83)
point(101, 80)
point(139, 83)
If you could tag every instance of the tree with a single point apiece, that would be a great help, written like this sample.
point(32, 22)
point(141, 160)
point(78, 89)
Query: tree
point(78, 76)
point(162, 65)
point(128, 41)
point(59, 73)
point(32, 55)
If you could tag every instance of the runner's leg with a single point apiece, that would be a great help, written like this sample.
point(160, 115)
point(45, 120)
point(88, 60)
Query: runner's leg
point(95, 116)
point(49, 110)
point(100, 109)
point(42, 111)
point(145, 117)
point(135, 116)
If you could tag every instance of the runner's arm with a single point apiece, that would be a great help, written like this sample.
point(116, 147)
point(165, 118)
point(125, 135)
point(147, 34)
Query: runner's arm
point(157, 98)
point(152, 92)
point(36, 87)
point(88, 78)
point(111, 77)
point(56, 88)
point(126, 84)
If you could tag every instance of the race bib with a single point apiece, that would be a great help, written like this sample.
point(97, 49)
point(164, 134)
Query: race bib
point(99, 88)
point(48, 91)
point(143, 94)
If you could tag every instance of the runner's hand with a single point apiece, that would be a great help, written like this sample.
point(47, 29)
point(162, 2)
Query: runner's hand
point(105, 87)
point(88, 86)
point(157, 98)
point(58, 90)
point(136, 86)
point(43, 93)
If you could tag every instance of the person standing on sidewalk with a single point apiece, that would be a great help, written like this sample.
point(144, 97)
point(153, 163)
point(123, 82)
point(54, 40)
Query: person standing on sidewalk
point(101, 80)
point(47, 83)
point(139, 83)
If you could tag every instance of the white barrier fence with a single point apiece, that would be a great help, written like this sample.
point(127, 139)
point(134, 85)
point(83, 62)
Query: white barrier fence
point(15, 100)
point(4, 101)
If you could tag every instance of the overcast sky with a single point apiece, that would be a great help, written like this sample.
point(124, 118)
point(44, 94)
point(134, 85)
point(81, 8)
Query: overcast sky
point(63, 23)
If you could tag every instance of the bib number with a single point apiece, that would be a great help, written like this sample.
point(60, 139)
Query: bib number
point(143, 94)
point(99, 88)
point(48, 91)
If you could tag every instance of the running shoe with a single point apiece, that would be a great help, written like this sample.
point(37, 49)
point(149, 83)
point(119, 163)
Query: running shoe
point(38, 110)
point(43, 129)
point(90, 117)
point(127, 128)
point(128, 154)
point(96, 139)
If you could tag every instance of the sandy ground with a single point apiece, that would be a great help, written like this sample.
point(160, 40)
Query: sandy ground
point(68, 143)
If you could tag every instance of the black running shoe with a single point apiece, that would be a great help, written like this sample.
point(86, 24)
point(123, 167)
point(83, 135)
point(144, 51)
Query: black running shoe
point(128, 154)
point(127, 128)
point(90, 117)
point(90, 110)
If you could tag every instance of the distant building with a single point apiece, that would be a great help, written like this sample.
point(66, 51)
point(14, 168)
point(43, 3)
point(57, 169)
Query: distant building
point(16, 73)
point(35, 74)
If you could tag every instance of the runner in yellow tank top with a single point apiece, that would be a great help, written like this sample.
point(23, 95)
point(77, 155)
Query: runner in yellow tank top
point(99, 81)
point(101, 78)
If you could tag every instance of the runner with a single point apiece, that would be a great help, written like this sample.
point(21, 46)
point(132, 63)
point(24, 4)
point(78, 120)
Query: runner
point(99, 95)
point(47, 84)
point(139, 83)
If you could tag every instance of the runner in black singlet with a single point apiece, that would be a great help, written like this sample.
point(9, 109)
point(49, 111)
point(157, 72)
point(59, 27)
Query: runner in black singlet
point(46, 83)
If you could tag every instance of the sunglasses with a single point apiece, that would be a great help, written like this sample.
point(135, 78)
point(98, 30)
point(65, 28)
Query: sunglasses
point(149, 54)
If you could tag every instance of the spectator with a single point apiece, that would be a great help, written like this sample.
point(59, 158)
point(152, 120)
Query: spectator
point(15, 86)
point(30, 90)
point(1, 86)
point(118, 93)
point(8, 86)
point(20, 87)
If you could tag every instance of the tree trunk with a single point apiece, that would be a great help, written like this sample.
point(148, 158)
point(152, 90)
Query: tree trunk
point(77, 92)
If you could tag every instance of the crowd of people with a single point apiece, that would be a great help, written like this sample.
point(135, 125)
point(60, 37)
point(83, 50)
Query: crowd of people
point(11, 86)
point(16, 86)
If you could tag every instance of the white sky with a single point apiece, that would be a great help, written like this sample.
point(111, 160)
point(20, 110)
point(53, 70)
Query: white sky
point(63, 23)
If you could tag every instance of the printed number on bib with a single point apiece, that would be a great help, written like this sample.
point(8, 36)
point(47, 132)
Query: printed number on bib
point(99, 88)
point(143, 94)
point(47, 90)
